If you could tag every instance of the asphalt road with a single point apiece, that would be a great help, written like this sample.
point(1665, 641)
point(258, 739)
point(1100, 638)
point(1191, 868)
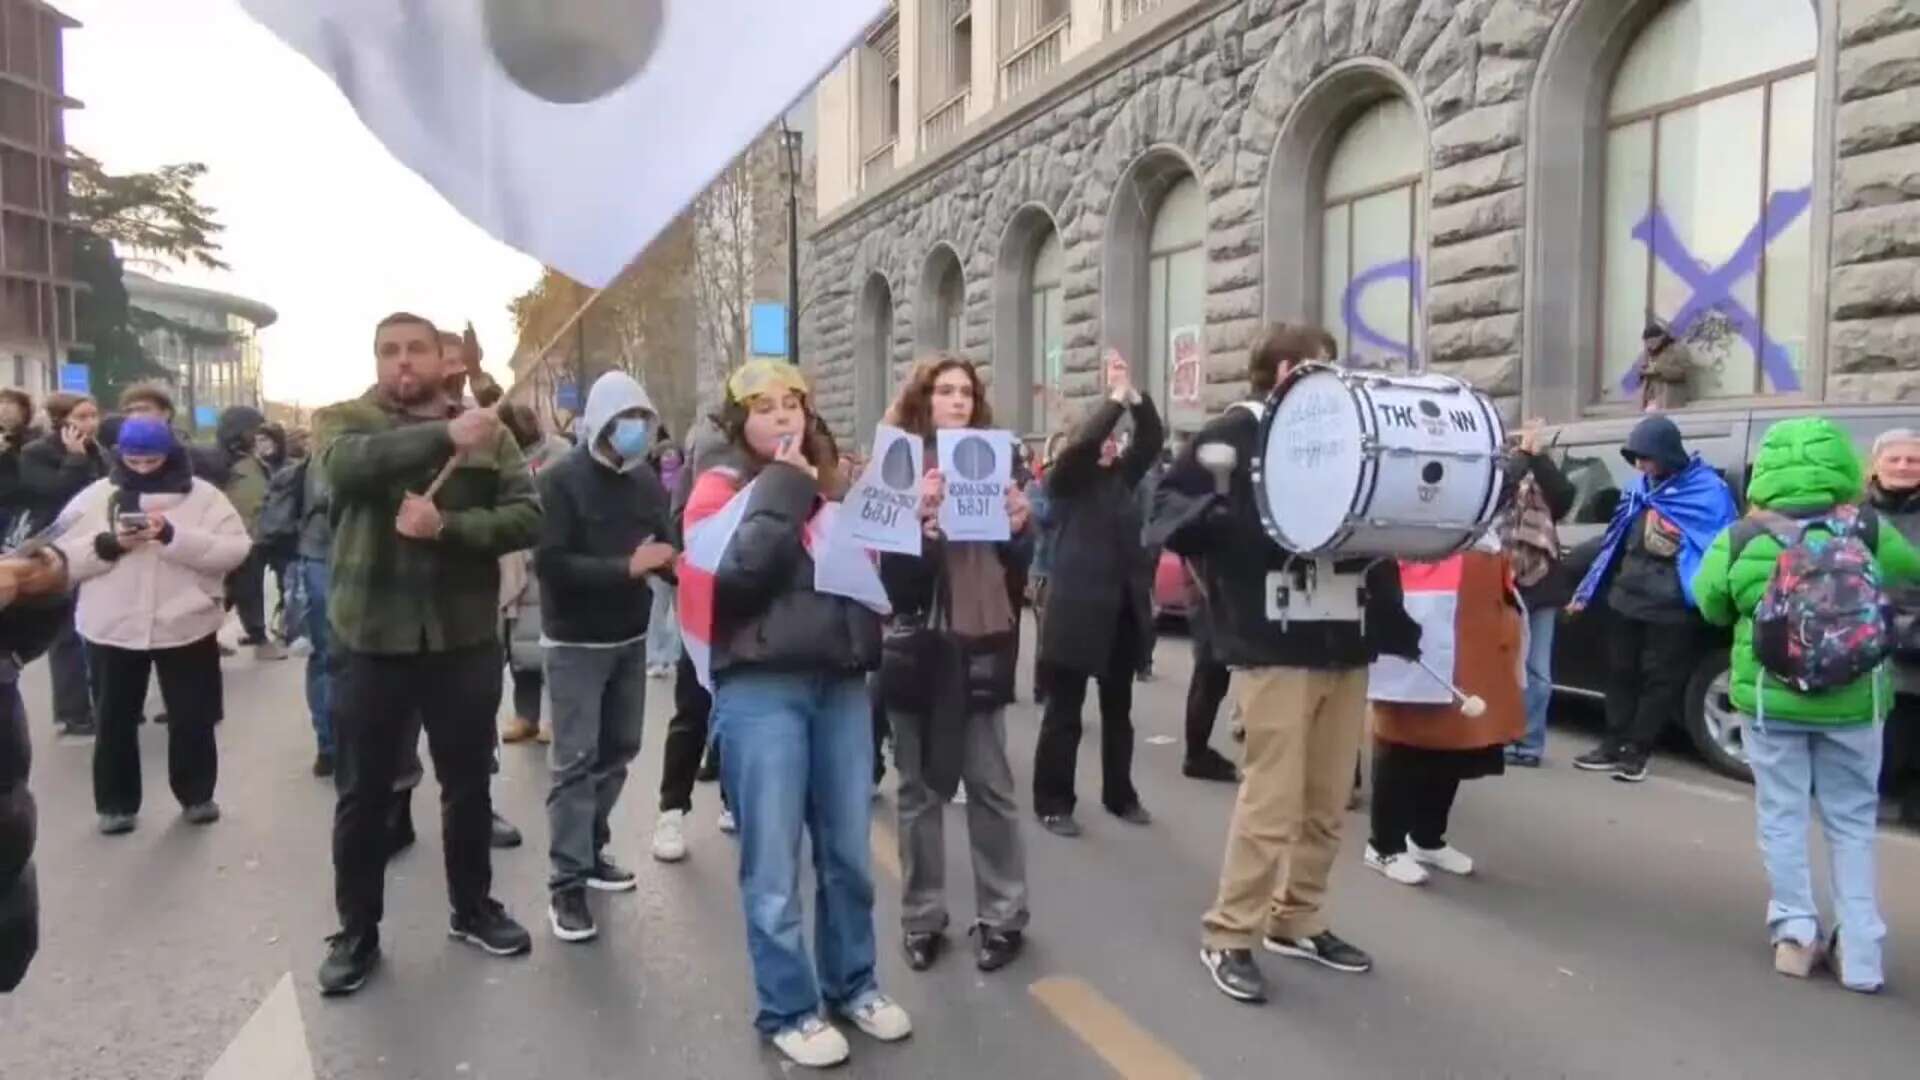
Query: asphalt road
point(1612, 931)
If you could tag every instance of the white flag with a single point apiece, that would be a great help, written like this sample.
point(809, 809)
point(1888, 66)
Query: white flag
point(573, 130)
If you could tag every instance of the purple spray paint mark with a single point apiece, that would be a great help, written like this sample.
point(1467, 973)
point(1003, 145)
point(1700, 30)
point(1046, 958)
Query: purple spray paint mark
point(1408, 270)
point(1713, 288)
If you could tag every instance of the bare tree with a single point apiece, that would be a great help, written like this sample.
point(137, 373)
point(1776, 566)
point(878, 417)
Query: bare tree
point(740, 228)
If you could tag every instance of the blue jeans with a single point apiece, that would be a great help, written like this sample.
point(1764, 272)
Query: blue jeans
point(663, 626)
point(1796, 769)
point(796, 750)
point(1539, 693)
point(313, 575)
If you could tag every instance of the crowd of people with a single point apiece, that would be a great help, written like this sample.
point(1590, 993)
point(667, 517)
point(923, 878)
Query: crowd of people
point(429, 542)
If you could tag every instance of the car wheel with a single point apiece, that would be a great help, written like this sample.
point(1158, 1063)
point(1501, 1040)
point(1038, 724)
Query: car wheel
point(1718, 730)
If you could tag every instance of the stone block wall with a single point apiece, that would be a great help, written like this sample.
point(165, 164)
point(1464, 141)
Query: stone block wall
point(1218, 92)
point(1873, 343)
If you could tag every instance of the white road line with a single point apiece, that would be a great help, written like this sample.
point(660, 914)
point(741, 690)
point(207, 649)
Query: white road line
point(273, 1043)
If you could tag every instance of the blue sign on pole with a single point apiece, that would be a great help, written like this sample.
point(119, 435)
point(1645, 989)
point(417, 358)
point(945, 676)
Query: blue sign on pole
point(769, 329)
point(205, 416)
point(76, 378)
point(567, 396)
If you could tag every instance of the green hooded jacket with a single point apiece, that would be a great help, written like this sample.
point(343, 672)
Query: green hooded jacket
point(1804, 465)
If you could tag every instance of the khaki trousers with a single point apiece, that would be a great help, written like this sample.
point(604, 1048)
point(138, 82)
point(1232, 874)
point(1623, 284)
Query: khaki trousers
point(1303, 734)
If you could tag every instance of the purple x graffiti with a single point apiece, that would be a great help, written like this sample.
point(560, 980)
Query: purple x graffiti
point(1713, 288)
point(1407, 269)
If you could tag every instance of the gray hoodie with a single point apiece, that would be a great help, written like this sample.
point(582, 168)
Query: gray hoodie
point(612, 394)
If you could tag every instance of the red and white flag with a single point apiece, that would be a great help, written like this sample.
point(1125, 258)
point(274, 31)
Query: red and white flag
point(573, 130)
point(714, 511)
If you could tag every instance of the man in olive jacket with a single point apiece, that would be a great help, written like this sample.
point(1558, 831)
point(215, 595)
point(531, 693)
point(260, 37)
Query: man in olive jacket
point(426, 498)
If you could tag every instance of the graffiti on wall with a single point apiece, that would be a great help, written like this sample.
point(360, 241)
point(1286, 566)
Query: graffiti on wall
point(1369, 339)
point(1712, 300)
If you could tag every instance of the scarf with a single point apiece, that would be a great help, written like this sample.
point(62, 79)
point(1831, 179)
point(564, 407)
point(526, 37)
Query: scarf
point(977, 585)
point(1529, 535)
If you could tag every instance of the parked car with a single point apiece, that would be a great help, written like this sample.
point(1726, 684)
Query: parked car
point(1588, 452)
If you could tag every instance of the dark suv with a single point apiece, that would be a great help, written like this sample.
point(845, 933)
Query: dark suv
point(1589, 453)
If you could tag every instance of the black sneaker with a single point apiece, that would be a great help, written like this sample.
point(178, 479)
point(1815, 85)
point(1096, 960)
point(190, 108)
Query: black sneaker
point(923, 949)
point(995, 949)
point(492, 929)
point(205, 813)
point(1235, 973)
point(1599, 759)
point(323, 765)
point(1632, 768)
point(1211, 765)
point(351, 958)
point(609, 876)
point(1325, 948)
point(1133, 815)
point(567, 914)
point(1060, 824)
point(80, 727)
point(504, 835)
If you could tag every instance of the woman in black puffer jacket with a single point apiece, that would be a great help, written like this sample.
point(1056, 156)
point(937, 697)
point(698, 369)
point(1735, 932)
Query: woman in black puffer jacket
point(31, 609)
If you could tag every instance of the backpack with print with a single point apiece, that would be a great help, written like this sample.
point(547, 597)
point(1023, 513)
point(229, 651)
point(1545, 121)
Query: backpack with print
point(284, 510)
point(1824, 620)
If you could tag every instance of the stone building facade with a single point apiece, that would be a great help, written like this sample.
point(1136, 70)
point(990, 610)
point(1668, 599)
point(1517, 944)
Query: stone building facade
point(1539, 198)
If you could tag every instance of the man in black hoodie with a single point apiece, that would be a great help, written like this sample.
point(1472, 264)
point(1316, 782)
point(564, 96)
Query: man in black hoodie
point(604, 536)
point(1300, 678)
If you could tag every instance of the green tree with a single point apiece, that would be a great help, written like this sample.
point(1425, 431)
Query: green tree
point(153, 213)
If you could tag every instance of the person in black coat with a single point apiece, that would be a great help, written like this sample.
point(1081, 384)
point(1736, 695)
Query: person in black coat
point(31, 610)
point(53, 469)
point(1096, 621)
point(16, 431)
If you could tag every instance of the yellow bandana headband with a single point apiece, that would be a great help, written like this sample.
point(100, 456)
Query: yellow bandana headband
point(757, 378)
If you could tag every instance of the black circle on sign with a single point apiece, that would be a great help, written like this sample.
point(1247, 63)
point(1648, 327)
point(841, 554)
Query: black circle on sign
point(973, 458)
point(570, 52)
point(896, 468)
point(1429, 408)
point(1432, 471)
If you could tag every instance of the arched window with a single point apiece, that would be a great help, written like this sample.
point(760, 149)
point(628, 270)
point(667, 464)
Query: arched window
point(1708, 190)
point(1176, 304)
point(873, 357)
point(1370, 221)
point(1046, 333)
point(943, 302)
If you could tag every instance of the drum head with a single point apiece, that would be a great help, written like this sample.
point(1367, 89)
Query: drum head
point(1312, 459)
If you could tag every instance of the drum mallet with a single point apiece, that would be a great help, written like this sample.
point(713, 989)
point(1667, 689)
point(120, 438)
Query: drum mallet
point(1471, 705)
point(1218, 459)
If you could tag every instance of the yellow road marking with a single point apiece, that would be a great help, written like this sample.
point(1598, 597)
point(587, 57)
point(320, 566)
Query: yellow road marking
point(1127, 1048)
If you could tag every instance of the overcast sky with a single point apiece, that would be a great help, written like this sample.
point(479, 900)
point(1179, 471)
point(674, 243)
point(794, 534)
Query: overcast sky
point(321, 223)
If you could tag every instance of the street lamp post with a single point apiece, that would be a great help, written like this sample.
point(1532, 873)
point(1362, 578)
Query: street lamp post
point(791, 144)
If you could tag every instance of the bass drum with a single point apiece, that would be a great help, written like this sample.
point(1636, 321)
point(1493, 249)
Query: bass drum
point(1357, 464)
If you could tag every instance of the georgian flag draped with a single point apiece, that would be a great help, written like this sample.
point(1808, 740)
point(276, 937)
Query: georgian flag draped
point(573, 130)
point(713, 514)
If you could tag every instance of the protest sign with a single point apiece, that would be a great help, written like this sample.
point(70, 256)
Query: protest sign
point(880, 513)
point(978, 466)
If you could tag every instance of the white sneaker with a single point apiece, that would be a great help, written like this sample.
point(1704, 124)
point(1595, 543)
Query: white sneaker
point(669, 836)
point(727, 822)
point(1445, 857)
point(813, 1043)
point(1400, 868)
point(880, 1017)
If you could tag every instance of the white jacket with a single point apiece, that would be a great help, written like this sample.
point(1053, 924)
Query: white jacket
point(157, 596)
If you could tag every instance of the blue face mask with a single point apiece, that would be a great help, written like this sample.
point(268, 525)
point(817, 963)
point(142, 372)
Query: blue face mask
point(631, 436)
